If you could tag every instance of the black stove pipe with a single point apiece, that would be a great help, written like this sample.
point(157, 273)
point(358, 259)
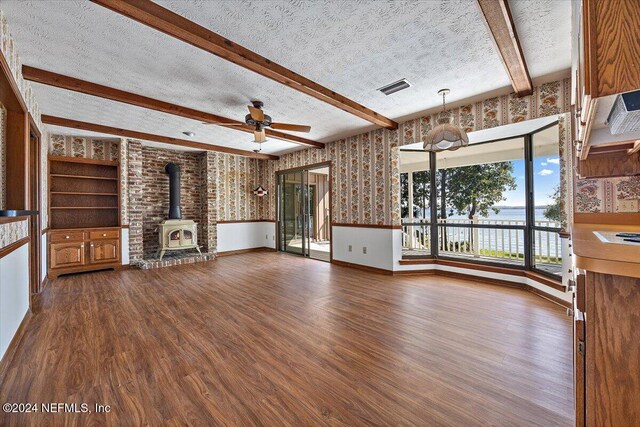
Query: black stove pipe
point(174, 190)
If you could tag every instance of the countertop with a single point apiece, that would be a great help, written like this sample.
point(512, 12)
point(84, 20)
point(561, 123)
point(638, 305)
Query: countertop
point(609, 258)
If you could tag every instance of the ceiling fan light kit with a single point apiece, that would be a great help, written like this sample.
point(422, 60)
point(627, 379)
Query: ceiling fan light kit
point(445, 135)
point(258, 120)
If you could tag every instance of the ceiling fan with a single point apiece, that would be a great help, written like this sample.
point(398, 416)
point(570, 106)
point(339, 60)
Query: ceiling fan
point(258, 120)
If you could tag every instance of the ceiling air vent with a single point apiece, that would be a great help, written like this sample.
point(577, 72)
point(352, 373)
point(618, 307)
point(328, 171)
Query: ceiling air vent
point(625, 113)
point(395, 87)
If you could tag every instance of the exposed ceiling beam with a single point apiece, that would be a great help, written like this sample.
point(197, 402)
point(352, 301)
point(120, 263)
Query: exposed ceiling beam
point(168, 22)
point(71, 83)
point(497, 16)
point(76, 124)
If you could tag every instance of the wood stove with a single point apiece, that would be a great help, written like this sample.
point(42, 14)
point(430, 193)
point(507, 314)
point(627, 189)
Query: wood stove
point(176, 233)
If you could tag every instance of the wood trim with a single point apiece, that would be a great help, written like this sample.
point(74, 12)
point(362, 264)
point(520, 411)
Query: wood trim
point(94, 89)
point(10, 95)
point(497, 16)
point(76, 124)
point(540, 278)
point(547, 296)
point(545, 280)
point(465, 276)
point(418, 261)
point(172, 24)
point(362, 267)
point(429, 272)
point(13, 246)
point(245, 251)
point(625, 218)
point(10, 219)
point(390, 227)
point(13, 346)
point(482, 267)
point(83, 160)
point(241, 221)
point(299, 168)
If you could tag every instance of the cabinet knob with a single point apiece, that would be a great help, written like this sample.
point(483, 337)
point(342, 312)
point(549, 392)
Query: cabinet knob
point(104, 235)
point(66, 237)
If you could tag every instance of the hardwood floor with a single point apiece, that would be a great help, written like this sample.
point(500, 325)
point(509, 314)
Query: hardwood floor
point(273, 339)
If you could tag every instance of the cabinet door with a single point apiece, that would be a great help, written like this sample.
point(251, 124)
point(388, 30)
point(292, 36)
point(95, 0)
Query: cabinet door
point(102, 251)
point(63, 255)
point(579, 350)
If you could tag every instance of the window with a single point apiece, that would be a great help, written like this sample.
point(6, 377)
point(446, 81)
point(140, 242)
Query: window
point(492, 202)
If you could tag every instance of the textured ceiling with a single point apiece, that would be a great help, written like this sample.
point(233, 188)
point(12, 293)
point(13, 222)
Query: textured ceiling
point(352, 47)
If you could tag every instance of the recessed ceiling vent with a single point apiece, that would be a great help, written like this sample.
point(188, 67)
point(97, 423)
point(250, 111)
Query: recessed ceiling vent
point(395, 87)
point(625, 113)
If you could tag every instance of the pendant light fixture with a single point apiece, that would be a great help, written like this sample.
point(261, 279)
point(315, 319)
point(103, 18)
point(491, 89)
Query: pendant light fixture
point(259, 191)
point(445, 135)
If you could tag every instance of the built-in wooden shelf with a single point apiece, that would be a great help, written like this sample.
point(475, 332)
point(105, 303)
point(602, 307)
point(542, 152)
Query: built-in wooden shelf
point(56, 175)
point(83, 193)
point(84, 207)
point(76, 193)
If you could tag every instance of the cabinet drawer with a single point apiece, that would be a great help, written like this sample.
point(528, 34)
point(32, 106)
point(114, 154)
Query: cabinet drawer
point(63, 255)
point(66, 236)
point(104, 234)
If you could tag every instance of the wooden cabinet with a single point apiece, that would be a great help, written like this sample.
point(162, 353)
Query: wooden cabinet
point(606, 59)
point(84, 215)
point(101, 251)
point(65, 255)
point(607, 350)
point(73, 251)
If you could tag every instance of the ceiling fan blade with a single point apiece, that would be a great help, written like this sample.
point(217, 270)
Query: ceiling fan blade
point(260, 136)
point(223, 124)
point(287, 126)
point(256, 114)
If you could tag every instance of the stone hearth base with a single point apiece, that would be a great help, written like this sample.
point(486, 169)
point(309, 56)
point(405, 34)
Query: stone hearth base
point(175, 258)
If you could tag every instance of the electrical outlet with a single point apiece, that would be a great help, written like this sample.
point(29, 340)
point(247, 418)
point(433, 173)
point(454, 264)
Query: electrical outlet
point(350, 248)
point(364, 250)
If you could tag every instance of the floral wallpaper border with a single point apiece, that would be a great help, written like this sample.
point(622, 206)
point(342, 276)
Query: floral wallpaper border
point(88, 148)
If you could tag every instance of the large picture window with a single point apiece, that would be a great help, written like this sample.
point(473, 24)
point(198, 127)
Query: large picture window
point(494, 202)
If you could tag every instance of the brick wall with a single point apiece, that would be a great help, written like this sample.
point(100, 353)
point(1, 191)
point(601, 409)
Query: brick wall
point(136, 209)
point(155, 192)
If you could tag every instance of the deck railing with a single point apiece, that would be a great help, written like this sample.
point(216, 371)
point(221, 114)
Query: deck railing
point(492, 238)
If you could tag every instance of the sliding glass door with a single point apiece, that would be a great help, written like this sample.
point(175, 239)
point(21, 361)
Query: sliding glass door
point(294, 208)
point(304, 217)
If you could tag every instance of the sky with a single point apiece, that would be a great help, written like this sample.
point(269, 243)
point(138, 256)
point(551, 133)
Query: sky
point(546, 176)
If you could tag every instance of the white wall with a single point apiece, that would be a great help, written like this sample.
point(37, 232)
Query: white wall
point(43, 257)
point(14, 294)
point(245, 235)
point(124, 246)
point(379, 244)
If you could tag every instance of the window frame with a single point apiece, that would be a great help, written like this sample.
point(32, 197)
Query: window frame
point(528, 229)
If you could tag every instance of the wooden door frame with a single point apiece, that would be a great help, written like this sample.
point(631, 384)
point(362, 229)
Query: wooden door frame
point(277, 173)
point(34, 191)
